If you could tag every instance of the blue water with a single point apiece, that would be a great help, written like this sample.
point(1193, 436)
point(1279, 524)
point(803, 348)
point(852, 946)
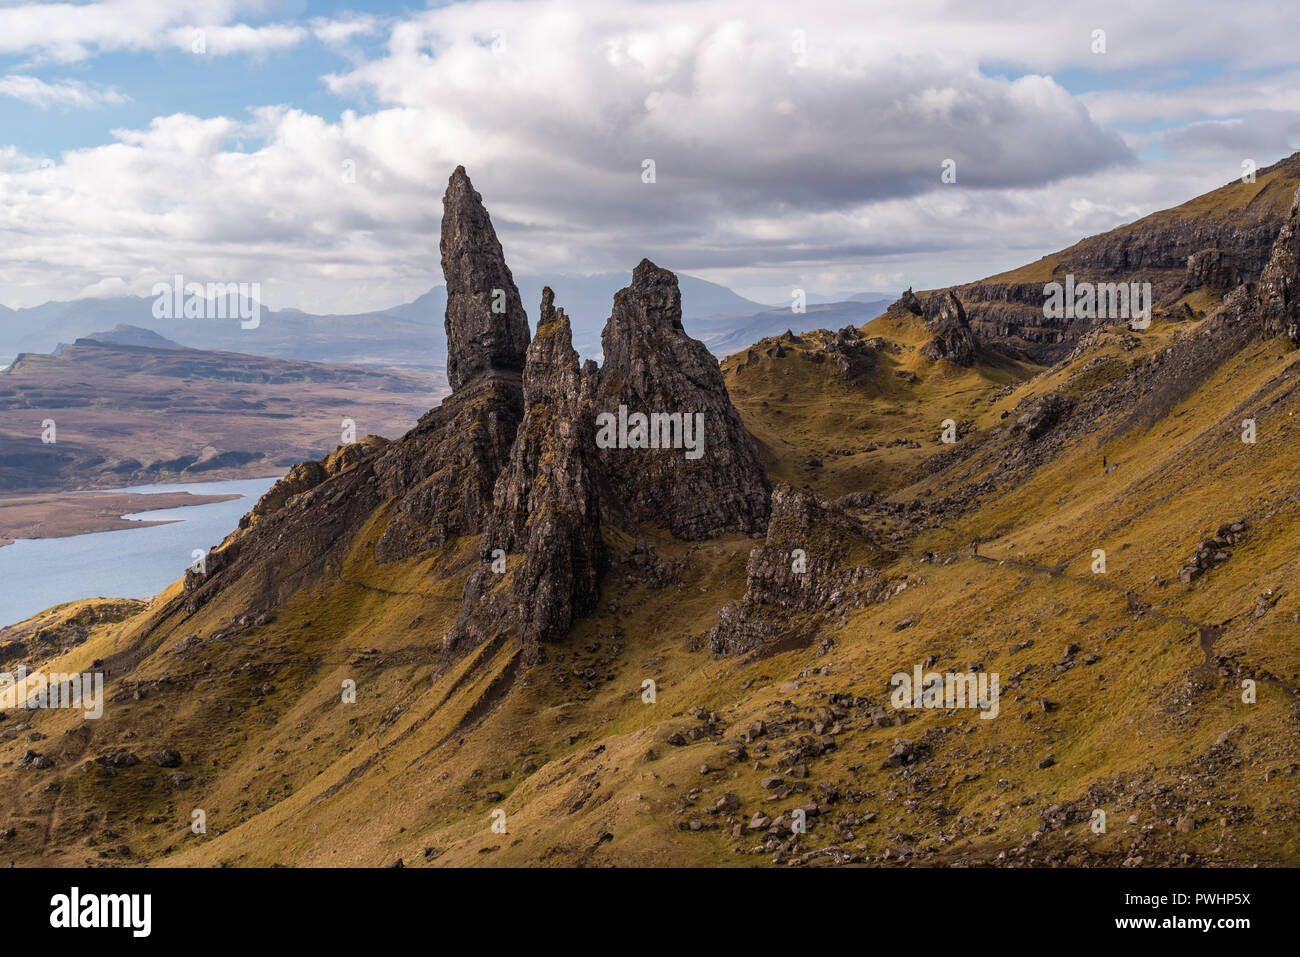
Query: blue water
point(126, 563)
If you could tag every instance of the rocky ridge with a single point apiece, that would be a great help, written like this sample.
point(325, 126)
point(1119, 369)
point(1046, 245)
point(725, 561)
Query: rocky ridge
point(512, 455)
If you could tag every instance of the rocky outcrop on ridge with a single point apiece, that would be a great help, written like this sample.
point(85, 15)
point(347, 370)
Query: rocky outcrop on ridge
point(953, 339)
point(437, 480)
point(711, 484)
point(545, 506)
point(1279, 285)
point(512, 454)
point(487, 328)
point(816, 563)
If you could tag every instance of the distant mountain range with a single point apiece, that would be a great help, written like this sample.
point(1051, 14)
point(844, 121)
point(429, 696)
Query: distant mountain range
point(411, 334)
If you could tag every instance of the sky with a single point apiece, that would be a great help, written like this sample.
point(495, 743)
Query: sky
point(305, 144)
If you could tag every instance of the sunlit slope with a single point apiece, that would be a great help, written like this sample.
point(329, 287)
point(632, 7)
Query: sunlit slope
point(1136, 720)
point(840, 434)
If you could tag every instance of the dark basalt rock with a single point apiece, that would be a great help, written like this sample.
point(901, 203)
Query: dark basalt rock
point(785, 606)
point(1214, 551)
point(953, 339)
point(1042, 416)
point(1211, 269)
point(442, 472)
point(1279, 284)
point(653, 366)
point(545, 505)
point(443, 479)
point(479, 339)
point(851, 355)
point(436, 481)
point(1176, 251)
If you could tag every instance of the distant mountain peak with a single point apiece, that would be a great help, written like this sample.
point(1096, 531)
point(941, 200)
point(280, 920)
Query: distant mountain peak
point(125, 334)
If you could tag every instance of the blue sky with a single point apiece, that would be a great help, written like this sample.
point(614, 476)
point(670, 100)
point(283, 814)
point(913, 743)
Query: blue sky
point(165, 81)
point(794, 146)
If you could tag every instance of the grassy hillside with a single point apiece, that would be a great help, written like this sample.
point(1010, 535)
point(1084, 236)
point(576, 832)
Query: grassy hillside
point(1121, 690)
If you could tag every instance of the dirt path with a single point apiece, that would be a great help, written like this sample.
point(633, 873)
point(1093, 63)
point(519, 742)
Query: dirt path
point(1207, 633)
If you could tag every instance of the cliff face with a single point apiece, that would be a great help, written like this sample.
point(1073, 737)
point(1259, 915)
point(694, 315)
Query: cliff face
point(1212, 244)
point(546, 515)
point(697, 473)
point(1279, 285)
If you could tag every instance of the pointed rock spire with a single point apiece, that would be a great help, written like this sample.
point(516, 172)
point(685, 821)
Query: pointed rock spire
point(698, 472)
point(546, 515)
point(487, 328)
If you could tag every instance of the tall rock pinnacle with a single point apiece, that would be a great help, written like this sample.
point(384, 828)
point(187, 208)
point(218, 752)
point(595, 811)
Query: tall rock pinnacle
point(487, 328)
point(546, 513)
point(673, 448)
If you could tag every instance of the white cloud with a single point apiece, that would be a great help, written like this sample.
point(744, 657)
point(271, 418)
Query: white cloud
point(337, 33)
point(68, 94)
point(105, 289)
point(792, 146)
point(70, 32)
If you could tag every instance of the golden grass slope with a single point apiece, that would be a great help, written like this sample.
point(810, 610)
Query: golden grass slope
point(580, 762)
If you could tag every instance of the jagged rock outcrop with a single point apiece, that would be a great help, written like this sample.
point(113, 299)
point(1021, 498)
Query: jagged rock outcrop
point(487, 328)
point(546, 516)
point(441, 474)
point(1213, 551)
point(909, 302)
point(1279, 284)
point(817, 563)
point(1042, 416)
point(851, 355)
point(953, 339)
point(436, 482)
point(1211, 269)
point(444, 477)
point(305, 476)
point(671, 446)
